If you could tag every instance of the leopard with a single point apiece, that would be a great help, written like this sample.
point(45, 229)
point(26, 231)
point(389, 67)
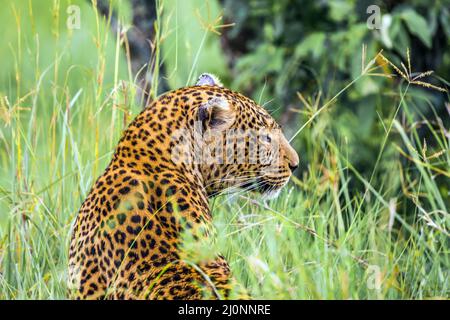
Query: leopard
point(127, 238)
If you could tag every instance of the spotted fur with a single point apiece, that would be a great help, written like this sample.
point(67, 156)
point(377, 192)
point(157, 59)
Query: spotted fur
point(126, 240)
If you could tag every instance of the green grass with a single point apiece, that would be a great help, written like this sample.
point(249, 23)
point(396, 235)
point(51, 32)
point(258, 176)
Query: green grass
point(334, 232)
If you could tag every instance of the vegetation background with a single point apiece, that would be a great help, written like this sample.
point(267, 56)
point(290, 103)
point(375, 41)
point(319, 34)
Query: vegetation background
point(366, 217)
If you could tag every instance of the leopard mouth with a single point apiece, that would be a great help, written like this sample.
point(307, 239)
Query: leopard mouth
point(267, 187)
point(270, 189)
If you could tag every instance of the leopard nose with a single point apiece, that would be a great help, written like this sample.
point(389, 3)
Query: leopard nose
point(294, 161)
point(293, 166)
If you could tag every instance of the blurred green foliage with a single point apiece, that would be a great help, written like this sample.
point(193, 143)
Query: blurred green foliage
point(37, 39)
point(278, 41)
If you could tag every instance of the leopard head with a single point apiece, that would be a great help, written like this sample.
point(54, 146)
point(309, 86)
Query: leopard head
point(240, 145)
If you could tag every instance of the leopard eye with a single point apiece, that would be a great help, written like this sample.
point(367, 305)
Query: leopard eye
point(267, 138)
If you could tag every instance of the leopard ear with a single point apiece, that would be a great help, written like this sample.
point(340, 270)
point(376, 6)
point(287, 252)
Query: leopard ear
point(208, 79)
point(216, 114)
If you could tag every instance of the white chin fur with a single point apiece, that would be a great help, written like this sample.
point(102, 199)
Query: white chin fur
point(272, 194)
